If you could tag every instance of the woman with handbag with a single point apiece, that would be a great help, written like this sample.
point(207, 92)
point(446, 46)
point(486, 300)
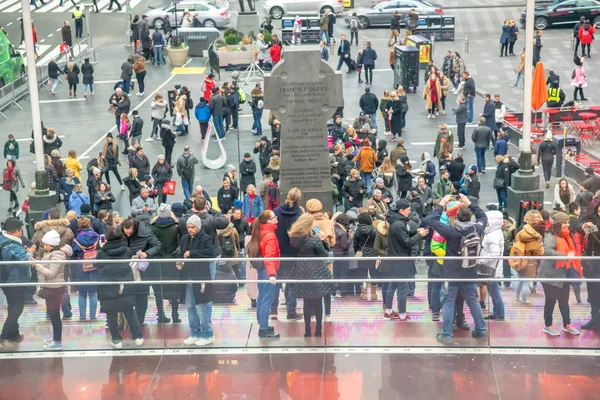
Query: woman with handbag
point(502, 180)
point(364, 246)
point(118, 298)
point(161, 173)
point(52, 273)
point(306, 242)
point(558, 242)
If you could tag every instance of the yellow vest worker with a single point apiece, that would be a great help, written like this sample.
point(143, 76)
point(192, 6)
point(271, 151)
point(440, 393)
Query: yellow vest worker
point(78, 17)
point(556, 97)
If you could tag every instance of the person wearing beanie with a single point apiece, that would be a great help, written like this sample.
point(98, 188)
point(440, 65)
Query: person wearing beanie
point(53, 273)
point(354, 190)
point(247, 169)
point(263, 149)
point(164, 227)
point(162, 172)
point(592, 181)
point(366, 159)
point(559, 242)
point(12, 249)
point(232, 175)
point(470, 182)
point(546, 155)
point(461, 226)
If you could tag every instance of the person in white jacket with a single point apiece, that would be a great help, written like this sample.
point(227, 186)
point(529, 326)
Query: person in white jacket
point(499, 113)
point(563, 194)
point(492, 246)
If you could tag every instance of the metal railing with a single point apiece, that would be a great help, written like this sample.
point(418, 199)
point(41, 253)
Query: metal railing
point(14, 91)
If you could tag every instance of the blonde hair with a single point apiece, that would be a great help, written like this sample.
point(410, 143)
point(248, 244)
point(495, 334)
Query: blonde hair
point(293, 197)
point(78, 188)
point(251, 188)
point(394, 96)
point(532, 217)
point(400, 91)
point(350, 130)
point(71, 215)
point(386, 165)
point(499, 159)
point(51, 131)
point(303, 226)
point(72, 154)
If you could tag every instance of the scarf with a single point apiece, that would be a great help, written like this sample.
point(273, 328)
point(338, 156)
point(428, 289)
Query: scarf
point(433, 90)
point(564, 245)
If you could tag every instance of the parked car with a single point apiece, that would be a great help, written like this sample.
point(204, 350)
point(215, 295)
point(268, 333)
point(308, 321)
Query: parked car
point(278, 8)
point(381, 14)
point(565, 13)
point(11, 62)
point(209, 13)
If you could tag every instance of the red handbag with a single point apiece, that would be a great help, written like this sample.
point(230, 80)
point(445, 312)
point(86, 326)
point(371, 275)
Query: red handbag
point(169, 188)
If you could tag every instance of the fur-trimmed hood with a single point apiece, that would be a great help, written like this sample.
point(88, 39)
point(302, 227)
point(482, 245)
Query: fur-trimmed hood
point(50, 224)
point(382, 229)
point(49, 138)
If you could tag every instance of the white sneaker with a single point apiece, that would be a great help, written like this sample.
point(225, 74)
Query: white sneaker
point(190, 341)
point(437, 113)
point(141, 94)
point(444, 112)
point(433, 116)
point(122, 187)
point(138, 94)
point(149, 139)
point(205, 342)
point(428, 116)
point(139, 342)
point(116, 345)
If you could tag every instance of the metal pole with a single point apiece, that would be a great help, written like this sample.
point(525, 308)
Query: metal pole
point(40, 174)
point(432, 45)
point(467, 44)
point(529, 38)
point(128, 32)
point(88, 19)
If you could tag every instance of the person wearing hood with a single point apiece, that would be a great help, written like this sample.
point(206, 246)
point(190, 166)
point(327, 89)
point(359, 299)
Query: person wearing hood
point(168, 139)
point(456, 168)
point(401, 240)
point(144, 244)
point(492, 246)
point(546, 154)
point(404, 177)
point(461, 226)
point(579, 79)
point(416, 204)
point(287, 214)
point(366, 158)
point(382, 152)
point(354, 190)
point(164, 227)
point(586, 37)
point(53, 273)
point(558, 242)
point(263, 148)
point(428, 169)
point(425, 194)
point(248, 169)
point(364, 242)
point(51, 141)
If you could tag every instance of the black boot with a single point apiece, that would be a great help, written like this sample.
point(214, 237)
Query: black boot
point(176, 319)
point(162, 319)
point(591, 324)
point(16, 206)
point(307, 332)
point(318, 331)
point(268, 334)
point(253, 303)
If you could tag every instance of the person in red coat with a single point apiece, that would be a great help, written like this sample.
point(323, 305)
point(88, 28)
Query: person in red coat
point(208, 86)
point(275, 53)
point(264, 244)
point(586, 37)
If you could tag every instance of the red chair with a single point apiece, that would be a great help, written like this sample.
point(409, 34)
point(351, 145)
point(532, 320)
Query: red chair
point(567, 120)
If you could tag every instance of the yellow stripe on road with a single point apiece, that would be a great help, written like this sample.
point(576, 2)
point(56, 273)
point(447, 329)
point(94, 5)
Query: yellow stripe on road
point(188, 71)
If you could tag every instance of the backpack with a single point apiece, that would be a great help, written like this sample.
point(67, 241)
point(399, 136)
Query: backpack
point(8, 179)
point(203, 87)
point(353, 23)
point(518, 250)
point(187, 170)
point(227, 246)
point(242, 95)
point(89, 253)
point(470, 246)
point(388, 181)
point(189, 102)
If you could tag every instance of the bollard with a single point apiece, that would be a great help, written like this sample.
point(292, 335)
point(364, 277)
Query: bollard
point(432, 45)
point(572, 42)
point(365, 40)
point(466, 44)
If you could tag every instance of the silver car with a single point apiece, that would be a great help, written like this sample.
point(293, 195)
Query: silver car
point(209, 13)
point(381, 13)
point(278, 8)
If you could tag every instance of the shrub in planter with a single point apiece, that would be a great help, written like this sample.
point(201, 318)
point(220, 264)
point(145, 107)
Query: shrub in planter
point(232, 40)
point(246, 40)
point(231, 31)
point(268, 36)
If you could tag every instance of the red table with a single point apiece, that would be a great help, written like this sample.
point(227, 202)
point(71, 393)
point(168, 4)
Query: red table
point(594, 108)
point(585, 131)
point(551, 112)
point(587, 117)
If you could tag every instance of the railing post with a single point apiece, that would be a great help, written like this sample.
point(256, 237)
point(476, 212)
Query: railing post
point(365, 40)
point(432, 45)
point(467, 44)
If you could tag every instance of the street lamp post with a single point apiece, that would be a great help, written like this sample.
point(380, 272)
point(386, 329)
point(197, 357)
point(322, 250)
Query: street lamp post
point(87, 5)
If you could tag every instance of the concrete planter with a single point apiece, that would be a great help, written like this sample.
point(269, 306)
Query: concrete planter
point(235, 57)
point(178, 56)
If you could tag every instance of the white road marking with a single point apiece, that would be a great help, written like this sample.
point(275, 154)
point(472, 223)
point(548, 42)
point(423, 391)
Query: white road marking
point(62, 100)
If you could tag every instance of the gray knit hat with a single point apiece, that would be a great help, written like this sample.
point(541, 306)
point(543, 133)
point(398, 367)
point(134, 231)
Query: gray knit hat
point(195, 220)
point(164, 211)
point(559, 218)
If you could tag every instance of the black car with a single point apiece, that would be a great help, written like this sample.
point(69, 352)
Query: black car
point(565, 13)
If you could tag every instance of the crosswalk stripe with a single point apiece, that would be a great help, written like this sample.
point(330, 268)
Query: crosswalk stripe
point(42, 48)
point(17, 7)
point(46, 59)
point(67, 6)
point(55, 5)
point(8, 3)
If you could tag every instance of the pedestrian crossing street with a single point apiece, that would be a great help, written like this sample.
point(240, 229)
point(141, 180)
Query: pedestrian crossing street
point(48, 52)
point(7, 6)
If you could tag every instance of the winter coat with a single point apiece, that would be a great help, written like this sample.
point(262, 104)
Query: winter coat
point(469, 88)
point(53, 70)
point(73, 75)
point(404, 178)
point(453, 235)
point(426, 195)
point(59, 225)
point(53, 273)
point(137, 209)
point(461, 113)
point(51, 142)
point(492, 245)
point(401, 241)
point(500, 147)
point(503, 172)
point(369, 103)
point(441, 188)
point(112, 297)
point(252, 207)
point(167, 135)
point(87, 70)
point(558, 202)
point(325, 225)
point(162, 173)
point(126, 71)
point(440, 141)
point(100, 204)
point(366, 159)
point(166, 231)
point(269, 248)
point(247, 170)
point(456, 168)
point(381, 240)
point(12, 250)
point(427, 95)
point(352, 189)
point(144, 240)
point(547, 151)
point(533, 247)
point(506, 33)
point(304, 248)
point(396, 153)
point(481, 136)
point(342, 241)
point(76, 200)
point(66, 35)
point(547, 268)
point(364, 240)
point(158, 109)
point(286, 216)
point(142, 164)
point(591, 269)
point(225, 198)
point(489, 113)
point(263, 154)
point(398, 112)
point(86, 238)
point(586, 34)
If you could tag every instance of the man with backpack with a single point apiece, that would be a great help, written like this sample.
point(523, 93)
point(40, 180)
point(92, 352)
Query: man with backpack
point(186, 168)
point(463, 238)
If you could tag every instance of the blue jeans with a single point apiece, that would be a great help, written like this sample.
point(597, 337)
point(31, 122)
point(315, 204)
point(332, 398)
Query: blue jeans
point(326, 35)
point(86, 85)
point(289, 292)
point(83, 296)
point(403, 291)
point(126, 85)
point(494, 291)
point(501, 198)
point(158, 55)
point(187, 185)
point(54, 83)
point(256, 123)
point(118, 122)
point(366, 177)
point(433, 291)
point(218, 123)
point(66, 304)
point(522, 290)
point(480, 154)
point(198, 315)
point(469, 100)
point(373, 118)
point(517, 79)
point(266, 291)
point(448, 297)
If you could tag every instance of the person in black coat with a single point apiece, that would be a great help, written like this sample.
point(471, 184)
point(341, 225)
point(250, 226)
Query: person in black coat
point(247, 169)
point(502, 180)
point(196, 244)
point(263, 148)
point(162, 172)
point(344, 53)
point(456, 168)
point(72, 72)
point(87, 70)
point(404, 177)
point(461, 121)
point(546, 154)
point(364, 242)
point(114, 298)
point(354, 190)
point(53, 71)
point(167, 137)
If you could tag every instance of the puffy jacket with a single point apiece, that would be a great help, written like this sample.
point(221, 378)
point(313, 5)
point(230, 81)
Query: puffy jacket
point(366, 158)
point(481, 136)
point(352, 189)
point(401, 241)
point(202, 112)
point(13, 250)
point(217, 105)
point(269, 248)
point(52, 273)
point(500, 147)
point(492, 245)
point(158, 108)
point(112, 297)
point(304, 248)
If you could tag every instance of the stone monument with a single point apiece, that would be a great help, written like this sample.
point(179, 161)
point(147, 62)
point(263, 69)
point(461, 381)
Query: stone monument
point(303, 92)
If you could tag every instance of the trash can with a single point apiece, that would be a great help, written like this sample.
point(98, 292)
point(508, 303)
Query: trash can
point(197, 45)
point(424, 46)
point(406, 67)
